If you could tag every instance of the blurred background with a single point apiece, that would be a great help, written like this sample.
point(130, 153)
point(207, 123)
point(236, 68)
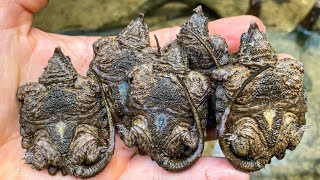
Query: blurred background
point(293, 27)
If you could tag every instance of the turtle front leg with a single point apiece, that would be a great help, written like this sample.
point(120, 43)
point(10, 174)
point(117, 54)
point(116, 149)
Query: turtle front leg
point(183, 139)
point(42, 155)
point(138, 134)
point(85, 147)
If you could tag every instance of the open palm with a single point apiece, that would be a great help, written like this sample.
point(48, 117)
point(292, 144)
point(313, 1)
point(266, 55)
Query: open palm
point(25, 51)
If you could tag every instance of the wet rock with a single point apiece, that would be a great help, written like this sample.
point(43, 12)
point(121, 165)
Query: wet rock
point(285, 14)
point(69, 16)
point(60, 15)
point(317, 25)
point(227, 8)
point(168, 15)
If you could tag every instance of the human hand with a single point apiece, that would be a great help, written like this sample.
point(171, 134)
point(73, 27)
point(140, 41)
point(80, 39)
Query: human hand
point(25, 51)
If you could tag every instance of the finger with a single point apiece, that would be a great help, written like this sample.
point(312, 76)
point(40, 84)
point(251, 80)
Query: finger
point(282, 56)
point(164, 35)
point(230, 28)
point(32, 6)
point(16, 15)
point(205, 168)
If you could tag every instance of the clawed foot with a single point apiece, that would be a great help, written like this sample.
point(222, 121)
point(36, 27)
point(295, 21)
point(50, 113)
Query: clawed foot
point(75, 170)
point(125, 135)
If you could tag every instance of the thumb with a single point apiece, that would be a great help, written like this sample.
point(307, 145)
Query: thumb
point(16, 15)
point(205, 168)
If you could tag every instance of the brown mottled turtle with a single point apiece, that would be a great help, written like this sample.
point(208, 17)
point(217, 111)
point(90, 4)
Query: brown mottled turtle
point(260, 105)
point(160, 105)
point(64, 122)
point(203, 52)
point(168, 105)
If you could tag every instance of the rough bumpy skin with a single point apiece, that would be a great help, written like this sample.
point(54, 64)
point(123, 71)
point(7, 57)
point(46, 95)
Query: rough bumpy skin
point(113, 58)
point(64, 123)
point(169, 111)
point(203, 52)
point(162, 114)
point(195, 50)
point(260, 105)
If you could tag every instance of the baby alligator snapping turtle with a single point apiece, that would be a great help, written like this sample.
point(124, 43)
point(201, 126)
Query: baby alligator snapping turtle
point(260, 105)
point(64, 123)
point(203, 52)
point(168, 111)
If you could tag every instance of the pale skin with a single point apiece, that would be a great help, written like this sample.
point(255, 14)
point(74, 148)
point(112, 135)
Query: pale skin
point(25, 51)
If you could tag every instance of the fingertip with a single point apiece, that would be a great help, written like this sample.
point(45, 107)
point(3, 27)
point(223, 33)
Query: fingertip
point(33, 6)
point(232, 28)
point(283, 56)
point(239, 23)
point(164, 35)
